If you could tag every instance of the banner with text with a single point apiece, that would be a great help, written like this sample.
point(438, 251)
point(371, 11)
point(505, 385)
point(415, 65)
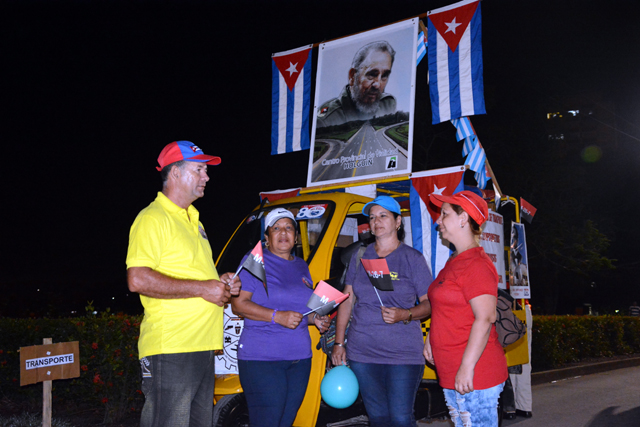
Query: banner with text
point(492, 240)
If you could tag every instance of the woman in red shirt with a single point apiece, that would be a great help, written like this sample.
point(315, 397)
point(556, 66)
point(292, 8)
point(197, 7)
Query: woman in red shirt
point(463, 343)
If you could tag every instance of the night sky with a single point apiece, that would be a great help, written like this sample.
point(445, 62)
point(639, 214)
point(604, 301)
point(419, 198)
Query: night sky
point(92, 91)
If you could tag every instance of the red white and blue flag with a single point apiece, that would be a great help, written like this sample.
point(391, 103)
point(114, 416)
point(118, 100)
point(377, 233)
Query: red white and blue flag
point(290, 100)
point(455, 61)
point(272, 196)
point(426, 239)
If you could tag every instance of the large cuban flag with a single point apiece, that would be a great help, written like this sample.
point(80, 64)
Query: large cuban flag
point(290, 100)
point(455, 61)
point(426, 239)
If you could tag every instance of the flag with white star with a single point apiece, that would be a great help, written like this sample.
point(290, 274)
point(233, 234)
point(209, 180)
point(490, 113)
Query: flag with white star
point(290, 100)
point(455, 61)
point(425, 236)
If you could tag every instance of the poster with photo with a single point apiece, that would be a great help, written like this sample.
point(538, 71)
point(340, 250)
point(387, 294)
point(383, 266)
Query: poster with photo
point(363, 108)
point(518, 263)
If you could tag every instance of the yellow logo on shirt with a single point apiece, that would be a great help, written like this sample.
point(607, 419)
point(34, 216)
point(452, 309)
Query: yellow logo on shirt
point(394, 275)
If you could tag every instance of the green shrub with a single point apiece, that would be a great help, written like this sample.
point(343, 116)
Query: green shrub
point(560, 340)
point(109, 367)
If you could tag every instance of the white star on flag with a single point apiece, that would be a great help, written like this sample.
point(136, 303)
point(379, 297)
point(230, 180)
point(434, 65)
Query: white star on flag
point(437, 190)
point(451, 26)
point(292, 67)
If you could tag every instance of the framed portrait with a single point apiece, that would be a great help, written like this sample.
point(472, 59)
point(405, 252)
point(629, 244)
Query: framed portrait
point(364, 104)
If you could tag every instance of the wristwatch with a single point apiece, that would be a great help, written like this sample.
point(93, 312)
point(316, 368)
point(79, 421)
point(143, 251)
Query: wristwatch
point(406, 322)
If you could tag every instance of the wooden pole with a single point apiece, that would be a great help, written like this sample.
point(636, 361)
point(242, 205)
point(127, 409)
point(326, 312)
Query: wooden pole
point(46, 395)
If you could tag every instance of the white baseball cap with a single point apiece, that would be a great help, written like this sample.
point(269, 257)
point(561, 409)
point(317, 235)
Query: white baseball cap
point(276, 214)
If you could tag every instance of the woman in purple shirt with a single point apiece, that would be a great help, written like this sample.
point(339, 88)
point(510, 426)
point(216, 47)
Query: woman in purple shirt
point(384, 346)
point(274, 352)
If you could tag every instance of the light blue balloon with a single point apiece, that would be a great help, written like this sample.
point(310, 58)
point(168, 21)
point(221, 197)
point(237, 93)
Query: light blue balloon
point(339, 388)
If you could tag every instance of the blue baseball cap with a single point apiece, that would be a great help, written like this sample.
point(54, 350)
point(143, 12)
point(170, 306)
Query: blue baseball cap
point(389, 203)
point(184, 150)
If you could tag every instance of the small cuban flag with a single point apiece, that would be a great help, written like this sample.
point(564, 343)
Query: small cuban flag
point(422, 47)
point(290, 100)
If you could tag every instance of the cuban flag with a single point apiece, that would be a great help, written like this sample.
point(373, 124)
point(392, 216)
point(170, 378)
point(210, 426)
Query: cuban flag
point(422, 47)
point(455, 61)
point(426, 239)
point(476, 160)
point(272, 196)
point(290, 100)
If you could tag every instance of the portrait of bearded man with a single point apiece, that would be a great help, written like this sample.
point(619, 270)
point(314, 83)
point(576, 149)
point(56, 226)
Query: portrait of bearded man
point(363, 97)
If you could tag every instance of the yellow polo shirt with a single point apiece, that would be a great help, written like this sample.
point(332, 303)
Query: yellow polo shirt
point(164, 238)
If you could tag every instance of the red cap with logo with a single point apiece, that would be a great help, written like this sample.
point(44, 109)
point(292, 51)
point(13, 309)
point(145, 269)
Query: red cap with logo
point(472, 204)
point(184, 150)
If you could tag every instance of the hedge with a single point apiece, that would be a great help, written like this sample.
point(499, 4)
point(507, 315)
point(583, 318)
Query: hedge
point(561, 340)
point(109, 367)
point(110, 374)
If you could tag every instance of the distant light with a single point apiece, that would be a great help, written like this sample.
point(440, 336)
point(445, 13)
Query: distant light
point(617, 311)
point(113, 297)
point(38, 290)
point(574, 112)
point(95, 312)
point(591, 154)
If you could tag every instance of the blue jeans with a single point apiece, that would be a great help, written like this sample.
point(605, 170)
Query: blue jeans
point(478, 408)
point(178, 389)
point(388, 392)
point(274, 390)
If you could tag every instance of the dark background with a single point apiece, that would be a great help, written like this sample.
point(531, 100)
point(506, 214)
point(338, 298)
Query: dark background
point(92, 91)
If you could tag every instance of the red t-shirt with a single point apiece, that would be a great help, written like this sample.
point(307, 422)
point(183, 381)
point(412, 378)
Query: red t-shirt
point(463, 278)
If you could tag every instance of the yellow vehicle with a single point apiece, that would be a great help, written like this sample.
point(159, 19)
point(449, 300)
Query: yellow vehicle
point(326, 221)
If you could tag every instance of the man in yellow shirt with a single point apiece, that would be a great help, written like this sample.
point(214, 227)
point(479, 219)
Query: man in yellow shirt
point(170, 264)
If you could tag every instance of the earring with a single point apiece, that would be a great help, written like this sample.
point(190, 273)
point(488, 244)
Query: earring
point(461, 225)
point(266, 244)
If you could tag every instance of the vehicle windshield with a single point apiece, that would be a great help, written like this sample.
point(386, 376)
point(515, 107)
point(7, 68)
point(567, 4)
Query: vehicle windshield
point(312, 217)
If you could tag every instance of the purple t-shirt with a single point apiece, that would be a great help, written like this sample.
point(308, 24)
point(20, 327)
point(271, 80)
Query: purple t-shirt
point(370, 339)
point(287, 291)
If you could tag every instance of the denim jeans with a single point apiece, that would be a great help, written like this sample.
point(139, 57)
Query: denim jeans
point(388, 392)
point(478, 408)
point(274, 390)
point(178, 389)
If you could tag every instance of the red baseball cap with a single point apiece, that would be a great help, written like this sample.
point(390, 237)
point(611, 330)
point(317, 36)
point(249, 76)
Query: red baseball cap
point(184, 150)
point(472, 204)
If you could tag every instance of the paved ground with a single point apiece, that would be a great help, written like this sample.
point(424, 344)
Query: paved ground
point(594, 395)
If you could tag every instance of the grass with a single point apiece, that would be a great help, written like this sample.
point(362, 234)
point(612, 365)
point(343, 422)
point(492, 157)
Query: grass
point(30, 420)
point(400, 135)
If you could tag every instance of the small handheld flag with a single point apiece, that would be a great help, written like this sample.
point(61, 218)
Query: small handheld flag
point(324, 299)
point(254, 264)
point(527, 210)
point(378, 272)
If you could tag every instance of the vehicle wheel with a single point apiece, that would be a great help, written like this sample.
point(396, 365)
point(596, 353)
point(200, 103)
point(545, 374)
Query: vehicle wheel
point(231, 411)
